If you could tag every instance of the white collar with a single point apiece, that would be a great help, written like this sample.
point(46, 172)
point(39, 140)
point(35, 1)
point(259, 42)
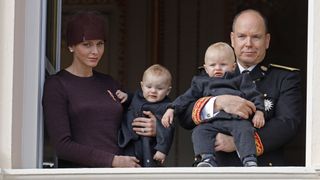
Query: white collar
point(241, 68)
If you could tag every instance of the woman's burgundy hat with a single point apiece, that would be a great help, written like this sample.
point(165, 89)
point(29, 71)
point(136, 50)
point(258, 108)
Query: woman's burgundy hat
point(85, 26)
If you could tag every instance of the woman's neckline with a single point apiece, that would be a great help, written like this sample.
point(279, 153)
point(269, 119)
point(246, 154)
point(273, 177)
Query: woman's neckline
point(81, 77)
point(79, 70)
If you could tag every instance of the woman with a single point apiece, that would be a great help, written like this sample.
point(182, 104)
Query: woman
point(81, 109)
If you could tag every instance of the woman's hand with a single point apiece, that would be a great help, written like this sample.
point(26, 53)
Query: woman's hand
point(160, 157)
point(145, 126)
point(234, 105)
point(224, 143)
point(125, 161)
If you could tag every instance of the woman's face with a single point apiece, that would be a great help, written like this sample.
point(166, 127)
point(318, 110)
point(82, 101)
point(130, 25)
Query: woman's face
point(88, 53)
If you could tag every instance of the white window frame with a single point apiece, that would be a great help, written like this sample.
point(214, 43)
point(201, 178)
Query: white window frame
point(28, 79)
point(33, 46)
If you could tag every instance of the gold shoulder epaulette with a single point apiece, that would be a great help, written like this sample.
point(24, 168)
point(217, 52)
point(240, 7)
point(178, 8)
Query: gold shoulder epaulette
point(284, 67)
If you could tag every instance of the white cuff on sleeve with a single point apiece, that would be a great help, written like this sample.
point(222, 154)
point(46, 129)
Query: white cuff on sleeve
point(208, 110)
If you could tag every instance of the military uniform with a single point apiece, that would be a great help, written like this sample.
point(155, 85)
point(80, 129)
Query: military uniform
point(281, 87)
point(144, 147)
point(203, 136)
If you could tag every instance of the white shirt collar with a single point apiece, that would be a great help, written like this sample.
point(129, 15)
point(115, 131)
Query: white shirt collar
point(241, 68)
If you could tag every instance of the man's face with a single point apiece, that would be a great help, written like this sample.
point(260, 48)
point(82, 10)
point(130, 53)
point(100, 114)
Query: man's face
point(249, 39)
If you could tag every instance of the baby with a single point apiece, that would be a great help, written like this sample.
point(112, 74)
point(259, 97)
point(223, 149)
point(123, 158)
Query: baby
point(153, 97)
point(218, 79)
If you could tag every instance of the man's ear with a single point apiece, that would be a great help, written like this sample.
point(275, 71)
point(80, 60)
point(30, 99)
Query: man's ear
point(141, 84)
point(231, 38)
point(268, 38)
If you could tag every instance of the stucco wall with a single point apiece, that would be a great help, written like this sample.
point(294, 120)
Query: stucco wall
point(6, 80)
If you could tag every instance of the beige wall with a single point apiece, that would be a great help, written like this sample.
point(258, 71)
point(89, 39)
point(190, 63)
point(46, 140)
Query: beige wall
point(6, 80)
point(20, 79)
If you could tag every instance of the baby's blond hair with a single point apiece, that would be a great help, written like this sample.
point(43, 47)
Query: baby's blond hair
point(158, 70)
point(220, 47)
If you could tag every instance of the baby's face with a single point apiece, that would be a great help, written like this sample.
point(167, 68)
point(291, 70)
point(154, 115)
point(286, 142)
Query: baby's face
point(155, 88)
point(217, 64)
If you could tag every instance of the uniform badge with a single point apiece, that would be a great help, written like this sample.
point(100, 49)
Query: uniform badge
point(263, 68)
point(268, 105)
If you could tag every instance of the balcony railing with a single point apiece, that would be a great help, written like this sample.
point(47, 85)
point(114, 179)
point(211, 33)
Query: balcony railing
point(257, 173)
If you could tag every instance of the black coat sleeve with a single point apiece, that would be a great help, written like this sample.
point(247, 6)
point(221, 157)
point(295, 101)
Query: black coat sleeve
point(182, 102)
point(185, 117)
point(284, 122)
point(164, 135)
point(190, 96)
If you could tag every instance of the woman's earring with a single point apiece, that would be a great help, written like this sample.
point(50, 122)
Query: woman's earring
point(70, 49)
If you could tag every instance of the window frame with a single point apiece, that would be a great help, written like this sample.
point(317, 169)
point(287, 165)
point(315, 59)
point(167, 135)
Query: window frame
point(32, 123)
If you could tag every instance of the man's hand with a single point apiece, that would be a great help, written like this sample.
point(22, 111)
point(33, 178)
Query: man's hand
point(234, 105)
point(224, 143)
point(145, 126)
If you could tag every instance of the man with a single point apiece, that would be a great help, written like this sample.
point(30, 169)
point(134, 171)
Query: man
point(280, 86)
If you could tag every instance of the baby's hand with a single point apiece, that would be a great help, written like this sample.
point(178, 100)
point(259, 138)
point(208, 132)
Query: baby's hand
point(122, 96)
point(159, 156)
point(258, 119)
point(167, 118)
